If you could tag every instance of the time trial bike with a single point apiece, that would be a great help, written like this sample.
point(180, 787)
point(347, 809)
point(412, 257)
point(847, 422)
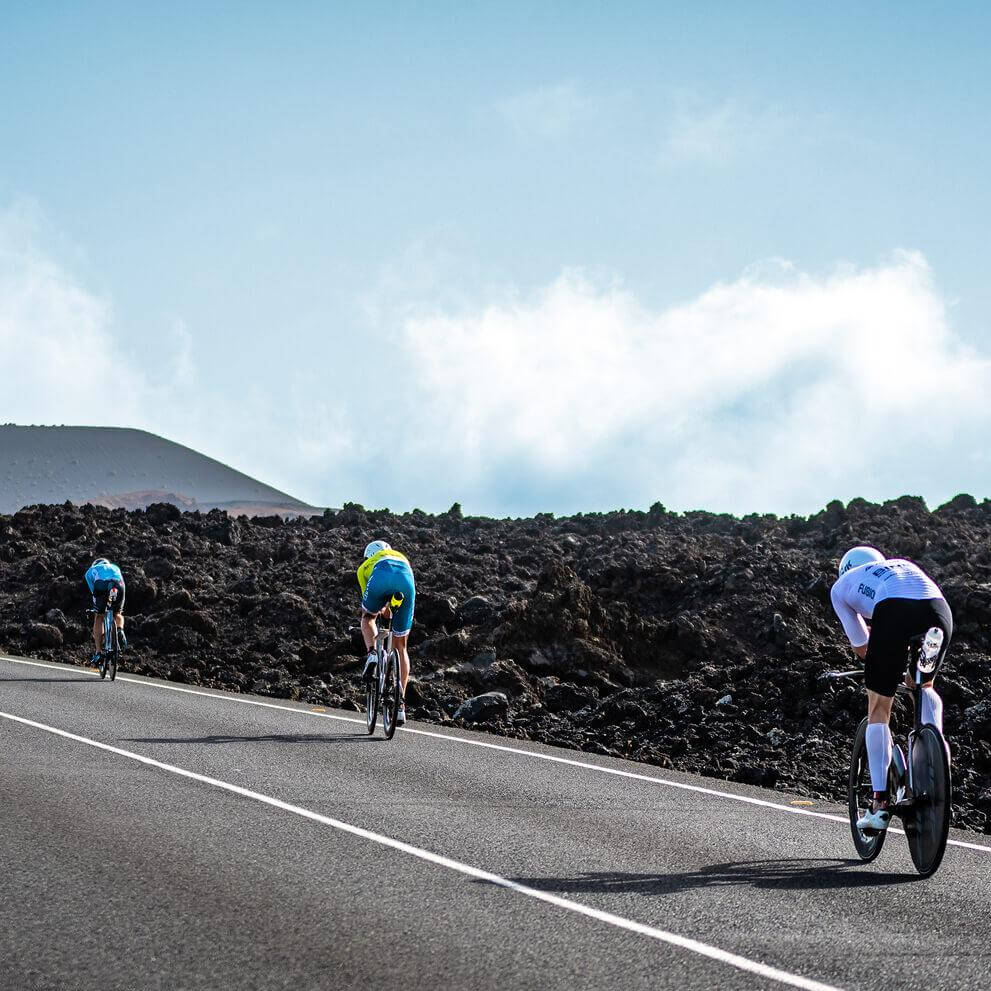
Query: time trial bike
point(383, 687)
point(109, 657)
point(919, 786)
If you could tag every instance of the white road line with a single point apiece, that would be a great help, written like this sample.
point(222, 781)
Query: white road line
point(452, 738)
point(662, 935)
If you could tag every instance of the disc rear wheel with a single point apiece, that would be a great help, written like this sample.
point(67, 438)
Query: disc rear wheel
point(929, 825)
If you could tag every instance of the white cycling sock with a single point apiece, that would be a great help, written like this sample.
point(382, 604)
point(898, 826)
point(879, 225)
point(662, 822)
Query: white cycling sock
point(879, 754)
point(932, 708)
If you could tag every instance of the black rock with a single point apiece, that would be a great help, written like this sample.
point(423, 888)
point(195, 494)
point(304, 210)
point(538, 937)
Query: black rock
point(44, 635)
point(475, 611)
point(482, 708)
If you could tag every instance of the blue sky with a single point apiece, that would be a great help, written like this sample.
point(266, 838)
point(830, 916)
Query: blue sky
point(584, 255)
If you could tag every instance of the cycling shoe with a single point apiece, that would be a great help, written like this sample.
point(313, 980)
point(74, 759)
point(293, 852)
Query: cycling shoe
point(874, 822)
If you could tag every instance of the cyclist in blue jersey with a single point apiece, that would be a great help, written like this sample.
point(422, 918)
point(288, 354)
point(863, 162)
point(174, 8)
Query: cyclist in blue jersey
point(106, 586)
point(385, 573)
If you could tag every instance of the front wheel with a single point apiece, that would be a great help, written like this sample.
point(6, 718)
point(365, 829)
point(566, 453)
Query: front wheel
point(860, 794)
point(930, 822)
point(371, 701)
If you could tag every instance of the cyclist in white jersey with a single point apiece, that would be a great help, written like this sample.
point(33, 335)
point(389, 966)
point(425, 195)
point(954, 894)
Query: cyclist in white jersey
point(901, 601)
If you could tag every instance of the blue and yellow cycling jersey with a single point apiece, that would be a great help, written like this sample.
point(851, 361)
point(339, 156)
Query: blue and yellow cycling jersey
point(103, 572)
point(367, 566)
point(384, 578)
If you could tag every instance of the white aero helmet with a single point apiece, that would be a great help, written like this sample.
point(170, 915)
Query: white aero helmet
point(859, 555)
point(375, 546)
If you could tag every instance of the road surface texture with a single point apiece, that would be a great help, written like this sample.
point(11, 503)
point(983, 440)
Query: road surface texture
point(159, 836)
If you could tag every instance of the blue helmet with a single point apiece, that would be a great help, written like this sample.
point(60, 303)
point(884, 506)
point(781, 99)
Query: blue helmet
point(859, 555)
point(98, 561)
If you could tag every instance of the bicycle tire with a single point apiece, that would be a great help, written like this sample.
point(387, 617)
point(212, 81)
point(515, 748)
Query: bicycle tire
point(114, 652)
point(393, 695)
point(930, 827)
point(860, 792)
point(101, 666)
point(371, 702)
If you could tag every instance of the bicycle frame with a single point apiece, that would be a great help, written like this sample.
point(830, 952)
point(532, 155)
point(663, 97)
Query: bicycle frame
point(923, 659)
point(383, 645)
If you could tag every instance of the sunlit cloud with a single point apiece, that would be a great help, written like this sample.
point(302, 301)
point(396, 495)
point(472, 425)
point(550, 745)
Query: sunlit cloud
point(775, 391)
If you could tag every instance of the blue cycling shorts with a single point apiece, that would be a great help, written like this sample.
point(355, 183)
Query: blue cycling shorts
point(391, 577)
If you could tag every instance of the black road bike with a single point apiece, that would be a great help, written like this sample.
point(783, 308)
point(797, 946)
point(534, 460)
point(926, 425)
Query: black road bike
point(919, 787)
point(383, 688)
point(107, 659)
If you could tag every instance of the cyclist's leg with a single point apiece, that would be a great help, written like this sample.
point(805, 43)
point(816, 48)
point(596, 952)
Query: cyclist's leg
point(100, 605)
point(940, 615)
point(884, 665)
point(98, 630)
point(878, 738)
point(402, 623)
point(400, 644)
point(376, 597)
point(119, 615)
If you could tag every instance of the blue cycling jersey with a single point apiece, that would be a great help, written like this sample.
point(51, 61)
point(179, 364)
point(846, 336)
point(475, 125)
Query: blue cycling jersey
point(103, 572)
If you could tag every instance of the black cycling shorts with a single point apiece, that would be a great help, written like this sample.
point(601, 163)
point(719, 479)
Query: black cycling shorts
point(102, 588)
point(894, 623)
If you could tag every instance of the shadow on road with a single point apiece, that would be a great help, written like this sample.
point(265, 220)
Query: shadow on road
point(801, 872)
point(263, 738)
point(42, 680)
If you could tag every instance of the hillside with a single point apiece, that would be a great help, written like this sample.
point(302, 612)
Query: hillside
point(692, 640)
point(121, 468)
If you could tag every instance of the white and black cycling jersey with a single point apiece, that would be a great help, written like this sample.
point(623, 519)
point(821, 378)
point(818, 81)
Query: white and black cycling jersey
point(856, 593)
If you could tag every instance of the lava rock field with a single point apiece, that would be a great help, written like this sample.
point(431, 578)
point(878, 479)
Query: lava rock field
point(694, 641)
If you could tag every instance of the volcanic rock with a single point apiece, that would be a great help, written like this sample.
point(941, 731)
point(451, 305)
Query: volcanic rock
point(44, 635)
point(482, 708)
point(695, 641)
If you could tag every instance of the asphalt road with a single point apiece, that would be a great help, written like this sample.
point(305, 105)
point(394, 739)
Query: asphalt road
point(157, 836)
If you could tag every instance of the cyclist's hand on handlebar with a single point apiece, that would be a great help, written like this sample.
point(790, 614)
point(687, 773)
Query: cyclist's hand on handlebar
point(861, 652)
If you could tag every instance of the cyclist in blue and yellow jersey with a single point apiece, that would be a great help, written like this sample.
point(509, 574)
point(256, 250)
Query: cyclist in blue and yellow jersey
point(106, 586)
point(383, 574)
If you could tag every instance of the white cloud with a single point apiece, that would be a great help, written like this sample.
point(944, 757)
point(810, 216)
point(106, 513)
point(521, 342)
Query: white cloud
point(716, 134)
point(54, 339)
point(776, 392)
point(548, 111)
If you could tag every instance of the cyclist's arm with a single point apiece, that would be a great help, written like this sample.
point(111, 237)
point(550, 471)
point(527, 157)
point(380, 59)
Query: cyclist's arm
point(853, 623)
point(364, 574)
